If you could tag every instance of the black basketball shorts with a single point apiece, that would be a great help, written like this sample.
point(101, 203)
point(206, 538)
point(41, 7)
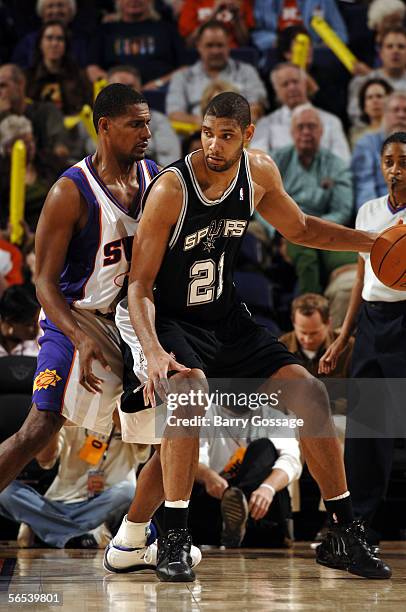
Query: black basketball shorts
point(235, 347)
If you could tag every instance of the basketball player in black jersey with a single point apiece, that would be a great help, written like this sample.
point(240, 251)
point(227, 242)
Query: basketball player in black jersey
point(196, 214)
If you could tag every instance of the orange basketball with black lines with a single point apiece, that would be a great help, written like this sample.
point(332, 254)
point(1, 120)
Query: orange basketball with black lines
point(388, 257)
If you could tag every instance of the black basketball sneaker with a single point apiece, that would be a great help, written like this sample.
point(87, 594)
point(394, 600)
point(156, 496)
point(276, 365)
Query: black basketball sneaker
point(345, 547)
point(174, 563)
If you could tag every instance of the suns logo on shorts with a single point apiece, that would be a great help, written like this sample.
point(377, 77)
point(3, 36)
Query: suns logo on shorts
point(46, 379)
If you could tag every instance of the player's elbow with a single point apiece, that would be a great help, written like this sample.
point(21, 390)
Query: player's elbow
point(298, 233)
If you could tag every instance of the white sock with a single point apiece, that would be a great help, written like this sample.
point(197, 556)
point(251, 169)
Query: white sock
point(180, 503)
point(343, 496)
point(132, 535)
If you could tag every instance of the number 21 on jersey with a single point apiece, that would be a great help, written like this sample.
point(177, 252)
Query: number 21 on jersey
point(207, 283)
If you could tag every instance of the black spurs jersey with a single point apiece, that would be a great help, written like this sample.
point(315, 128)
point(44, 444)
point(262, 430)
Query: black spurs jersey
point(195, 280)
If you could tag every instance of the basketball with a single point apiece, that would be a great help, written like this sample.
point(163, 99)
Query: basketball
point(388, 257)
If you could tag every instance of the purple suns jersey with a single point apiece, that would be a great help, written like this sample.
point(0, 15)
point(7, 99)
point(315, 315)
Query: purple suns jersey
point(98, 257)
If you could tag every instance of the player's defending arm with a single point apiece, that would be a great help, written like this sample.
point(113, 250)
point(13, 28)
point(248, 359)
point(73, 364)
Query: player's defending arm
point(160, 215)
point(63, 215)
point(281, 211)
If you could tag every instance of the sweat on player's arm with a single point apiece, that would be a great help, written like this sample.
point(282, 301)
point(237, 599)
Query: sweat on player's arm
point(149, 247)
point(63, 215)
point(281, 211)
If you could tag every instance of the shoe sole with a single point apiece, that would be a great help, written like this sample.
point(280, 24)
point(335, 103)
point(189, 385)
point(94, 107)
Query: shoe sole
point(234, 509)
point(346, 568)
point(176, 578)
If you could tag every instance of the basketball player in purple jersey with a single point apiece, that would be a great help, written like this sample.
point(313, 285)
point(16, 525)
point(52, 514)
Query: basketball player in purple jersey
point(83, 249)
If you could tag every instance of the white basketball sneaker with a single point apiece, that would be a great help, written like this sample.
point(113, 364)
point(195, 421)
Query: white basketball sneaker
point(121, 560)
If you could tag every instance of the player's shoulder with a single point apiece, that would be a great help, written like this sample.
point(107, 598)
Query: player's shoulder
point(261, 164)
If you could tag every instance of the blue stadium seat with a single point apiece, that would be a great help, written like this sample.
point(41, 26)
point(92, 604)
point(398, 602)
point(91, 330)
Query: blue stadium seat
point(16, 374)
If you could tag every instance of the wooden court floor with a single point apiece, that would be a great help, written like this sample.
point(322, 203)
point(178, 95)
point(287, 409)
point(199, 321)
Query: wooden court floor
point(277, 580)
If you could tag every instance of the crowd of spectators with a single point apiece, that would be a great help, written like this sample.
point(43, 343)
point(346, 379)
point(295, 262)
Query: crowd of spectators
point(323, 126)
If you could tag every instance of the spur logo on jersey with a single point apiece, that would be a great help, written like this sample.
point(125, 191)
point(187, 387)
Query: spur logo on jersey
point(46, 379)
point(224, 228)
point(113, 251)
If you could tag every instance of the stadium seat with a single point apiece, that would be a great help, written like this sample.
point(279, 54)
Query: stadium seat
point(13, 411)
point(156, 99)
point(251, 250)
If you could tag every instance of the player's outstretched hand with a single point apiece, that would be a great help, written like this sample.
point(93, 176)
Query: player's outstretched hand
point(88, 351)
point(328, 361)
point(158, 367)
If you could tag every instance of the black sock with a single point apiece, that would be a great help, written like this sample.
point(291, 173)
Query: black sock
point(176, 518)
point(340, 510)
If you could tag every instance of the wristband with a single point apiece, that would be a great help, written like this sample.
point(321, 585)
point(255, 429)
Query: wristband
point(268, 486)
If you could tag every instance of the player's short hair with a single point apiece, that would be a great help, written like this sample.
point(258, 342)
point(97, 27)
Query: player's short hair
point(18, 305)
point(114, 100)
point(309, 303)
point(399, 137)
point(230, 105)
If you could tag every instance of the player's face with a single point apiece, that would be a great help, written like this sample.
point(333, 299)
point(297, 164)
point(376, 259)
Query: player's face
point(393, 164)
point(310, 331)
point(129, 134)
point(222, 142)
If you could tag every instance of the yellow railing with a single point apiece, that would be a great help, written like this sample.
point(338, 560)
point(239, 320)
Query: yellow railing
point(334, 42)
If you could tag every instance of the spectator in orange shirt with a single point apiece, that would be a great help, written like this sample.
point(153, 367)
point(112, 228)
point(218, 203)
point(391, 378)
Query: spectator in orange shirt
point(237, 15)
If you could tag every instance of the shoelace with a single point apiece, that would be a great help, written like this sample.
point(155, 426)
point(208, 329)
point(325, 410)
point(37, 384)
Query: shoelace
point(357, 529)
point(173, 544)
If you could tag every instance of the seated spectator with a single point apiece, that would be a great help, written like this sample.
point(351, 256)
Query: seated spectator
point(384, 15)
point(47, 121)
point(164, 145)
point(140, 38)
point(187, 86)
point(366, 158)
point(51, 10)
point(237, 16)
point(319, 181)
point(55, 77)
point(312, 335)
point(392, 53)
point(372, 96)
point(241, 482)
point(39, 172)
point(19, 328)
point(272, 16)
point(274, 130)
point(84, 496)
